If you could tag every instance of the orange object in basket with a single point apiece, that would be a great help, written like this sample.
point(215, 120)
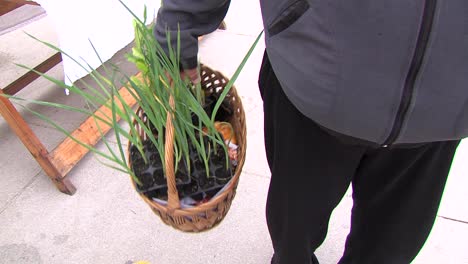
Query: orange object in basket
point(226, 131)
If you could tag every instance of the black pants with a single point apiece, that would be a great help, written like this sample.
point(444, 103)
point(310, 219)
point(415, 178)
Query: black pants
point(396, 191)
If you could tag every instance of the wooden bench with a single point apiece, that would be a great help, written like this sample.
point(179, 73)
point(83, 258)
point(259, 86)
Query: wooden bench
point(68, 153)
point(57, 163)
point(10, 5)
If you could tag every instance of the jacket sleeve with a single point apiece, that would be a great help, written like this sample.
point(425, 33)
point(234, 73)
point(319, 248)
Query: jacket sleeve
point(194, 18)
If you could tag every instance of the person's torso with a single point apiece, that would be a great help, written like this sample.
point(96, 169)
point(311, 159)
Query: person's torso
point(383, 71)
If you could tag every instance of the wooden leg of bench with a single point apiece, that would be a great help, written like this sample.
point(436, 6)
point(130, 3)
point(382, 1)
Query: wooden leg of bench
point(64, 185)
point(33, 144)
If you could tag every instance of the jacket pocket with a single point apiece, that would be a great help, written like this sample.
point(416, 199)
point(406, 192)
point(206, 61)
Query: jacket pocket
point(288, 16)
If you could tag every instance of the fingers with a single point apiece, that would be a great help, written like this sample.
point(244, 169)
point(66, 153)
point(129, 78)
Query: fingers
point(193, 75)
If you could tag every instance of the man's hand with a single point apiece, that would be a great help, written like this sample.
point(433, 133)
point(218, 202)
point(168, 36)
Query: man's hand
point(192, 74)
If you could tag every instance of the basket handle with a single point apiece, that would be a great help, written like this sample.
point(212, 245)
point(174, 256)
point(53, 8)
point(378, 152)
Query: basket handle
point(173, 202)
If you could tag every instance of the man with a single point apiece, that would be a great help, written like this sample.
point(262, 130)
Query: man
point(368, 93)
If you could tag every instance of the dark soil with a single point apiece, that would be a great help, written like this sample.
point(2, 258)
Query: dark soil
point(151, 174)
point(224, 112)
point(196, 184)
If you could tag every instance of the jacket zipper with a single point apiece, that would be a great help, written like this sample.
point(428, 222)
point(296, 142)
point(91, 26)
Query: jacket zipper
point(418, 56)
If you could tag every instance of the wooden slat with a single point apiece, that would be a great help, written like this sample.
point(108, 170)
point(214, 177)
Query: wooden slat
point(7, 6)
point(68, 153)
point(30, 76)
point(21, 2)
point(33, 144)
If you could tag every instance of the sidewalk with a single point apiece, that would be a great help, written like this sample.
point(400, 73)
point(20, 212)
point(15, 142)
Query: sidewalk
point(106, 221)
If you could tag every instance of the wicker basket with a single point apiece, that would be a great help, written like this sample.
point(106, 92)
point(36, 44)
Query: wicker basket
point(211, 213)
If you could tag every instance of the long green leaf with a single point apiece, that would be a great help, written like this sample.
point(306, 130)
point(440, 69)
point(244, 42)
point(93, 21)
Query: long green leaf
point(234, 77)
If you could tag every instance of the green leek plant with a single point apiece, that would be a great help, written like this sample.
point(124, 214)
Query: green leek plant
point(161, 79)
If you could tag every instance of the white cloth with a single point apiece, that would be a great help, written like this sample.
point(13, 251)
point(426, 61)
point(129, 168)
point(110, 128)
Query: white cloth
point(106, 23)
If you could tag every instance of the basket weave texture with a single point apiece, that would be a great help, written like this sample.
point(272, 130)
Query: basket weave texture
point(207, 215)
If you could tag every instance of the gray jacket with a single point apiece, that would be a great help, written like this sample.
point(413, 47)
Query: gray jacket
point(387, 72)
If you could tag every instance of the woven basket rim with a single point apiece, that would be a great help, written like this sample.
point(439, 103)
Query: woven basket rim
point(229, 188)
